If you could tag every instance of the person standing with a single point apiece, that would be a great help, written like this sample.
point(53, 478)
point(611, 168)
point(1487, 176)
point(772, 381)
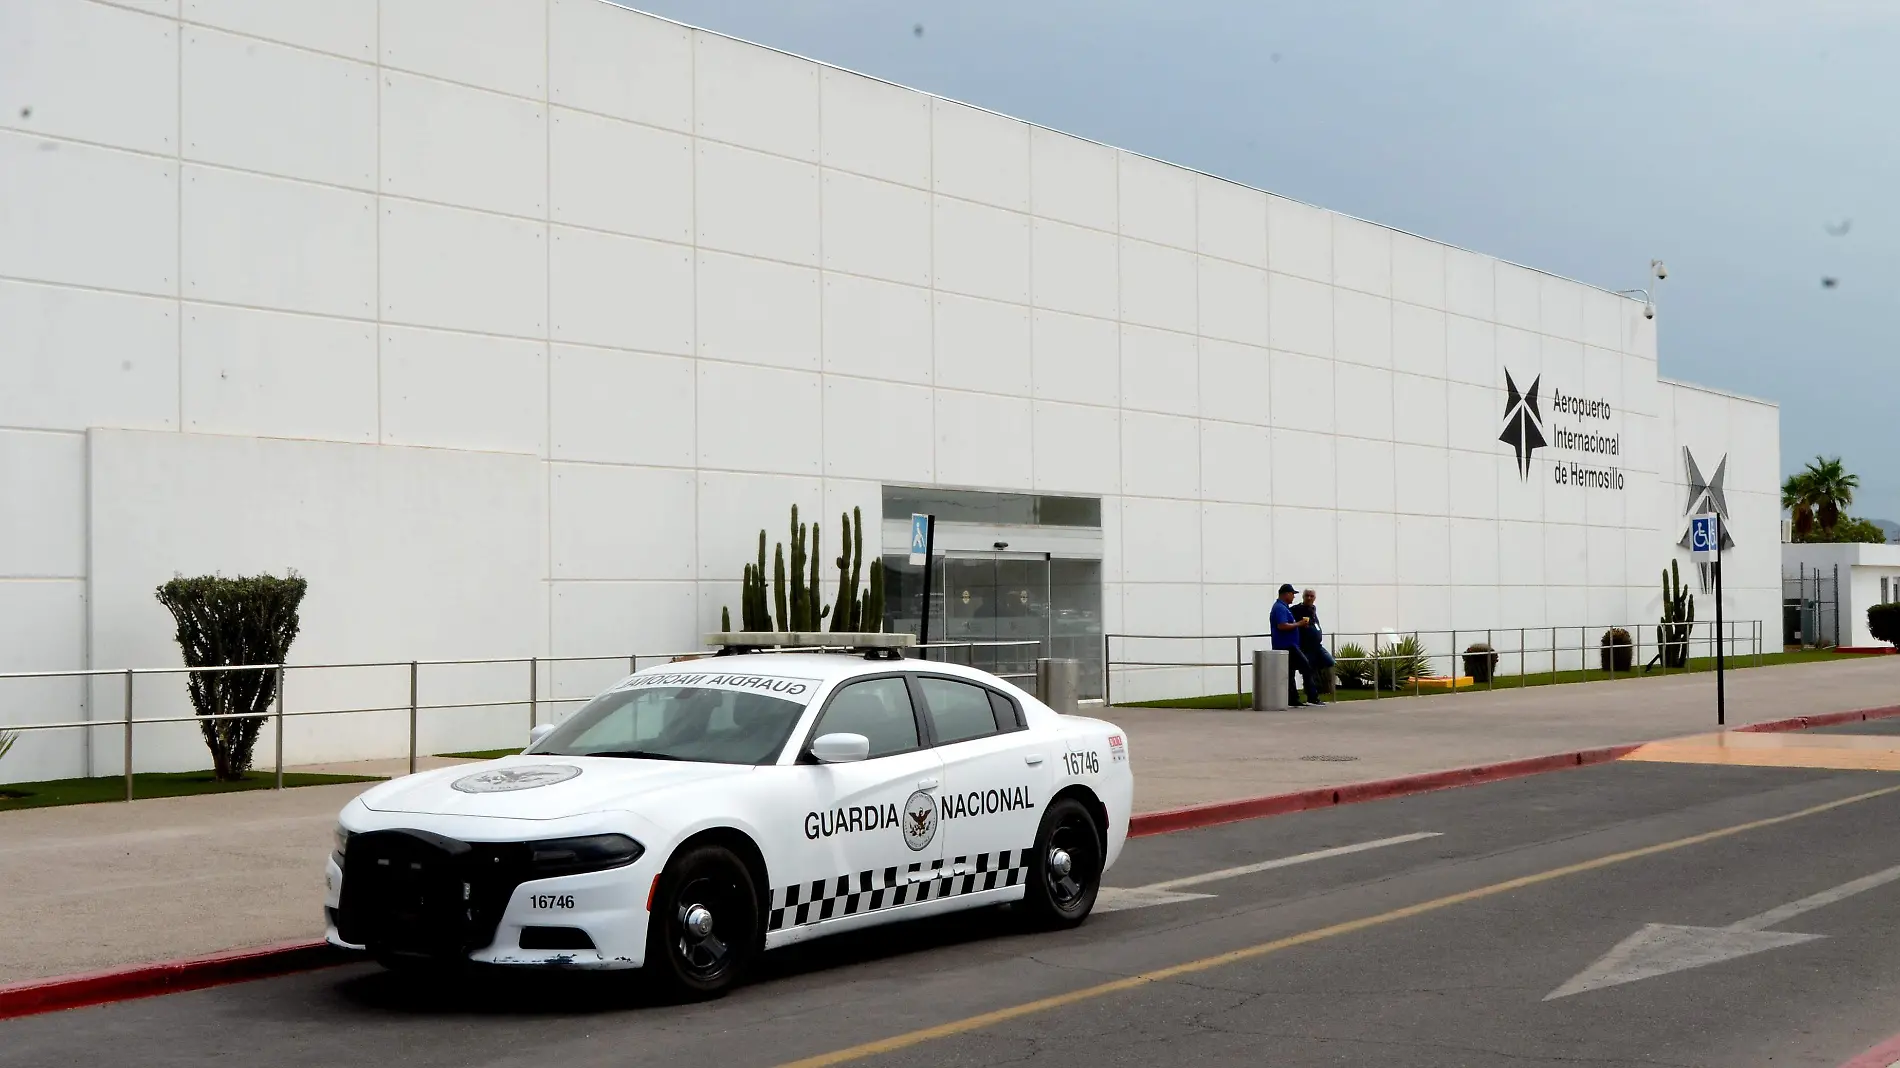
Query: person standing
point(1312, 646)
point(1286, 628)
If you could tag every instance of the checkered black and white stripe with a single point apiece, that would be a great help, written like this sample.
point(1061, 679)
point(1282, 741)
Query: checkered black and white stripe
point(869, 891)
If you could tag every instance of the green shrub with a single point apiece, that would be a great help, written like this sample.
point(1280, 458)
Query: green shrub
point(1616, 652)
point(233, 621)
point(1481, 662)
point(1882, 619)
point(7, 738)
point(1351, 669)
point(1401, 662)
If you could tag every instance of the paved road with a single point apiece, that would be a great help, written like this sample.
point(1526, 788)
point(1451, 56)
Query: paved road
point(1431, 951)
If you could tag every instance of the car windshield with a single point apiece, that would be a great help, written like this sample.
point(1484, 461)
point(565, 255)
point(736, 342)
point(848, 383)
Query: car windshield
point(721, 723)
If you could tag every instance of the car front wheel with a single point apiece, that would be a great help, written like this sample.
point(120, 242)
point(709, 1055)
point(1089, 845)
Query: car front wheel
point(1065, 870)
point(704, 932)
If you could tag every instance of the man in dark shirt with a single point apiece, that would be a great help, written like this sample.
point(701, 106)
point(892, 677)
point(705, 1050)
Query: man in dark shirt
point(1312, 645)
point(1286, 630)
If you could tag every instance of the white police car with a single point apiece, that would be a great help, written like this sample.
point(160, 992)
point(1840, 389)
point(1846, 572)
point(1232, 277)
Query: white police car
point(694, 815)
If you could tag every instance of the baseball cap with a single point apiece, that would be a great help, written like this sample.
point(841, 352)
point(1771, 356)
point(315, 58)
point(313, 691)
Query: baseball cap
point(1287, 587)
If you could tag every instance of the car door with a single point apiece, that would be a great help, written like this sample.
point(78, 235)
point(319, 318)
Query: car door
point(995, 783)
point(867, 839)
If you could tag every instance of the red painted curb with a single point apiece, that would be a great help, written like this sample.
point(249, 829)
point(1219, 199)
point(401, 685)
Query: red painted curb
point(1884, 1055)
point(164, 977)
point(1193, 816)
point(1824, 719)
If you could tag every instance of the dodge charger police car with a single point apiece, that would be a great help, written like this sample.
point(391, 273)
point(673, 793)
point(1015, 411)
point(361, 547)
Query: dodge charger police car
point(695, 815)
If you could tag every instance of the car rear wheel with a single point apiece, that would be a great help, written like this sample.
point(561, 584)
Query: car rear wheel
point(1065, 869)
point(704, 932)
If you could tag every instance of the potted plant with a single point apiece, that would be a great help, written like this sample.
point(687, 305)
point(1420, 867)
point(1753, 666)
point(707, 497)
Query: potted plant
point(1481, 662)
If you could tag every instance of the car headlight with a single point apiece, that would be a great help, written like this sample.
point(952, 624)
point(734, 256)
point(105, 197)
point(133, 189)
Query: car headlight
point(340, 846)
point(572, 856)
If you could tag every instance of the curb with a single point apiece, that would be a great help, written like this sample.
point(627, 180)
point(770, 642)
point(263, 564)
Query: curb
point(1825, 719)
point(1247, 808)
point(32, 996)
point(1885, 1055)
point(52, 994)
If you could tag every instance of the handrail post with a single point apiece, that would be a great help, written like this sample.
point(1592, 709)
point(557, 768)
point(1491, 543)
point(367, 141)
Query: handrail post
point(128, 734)
point(1455, 665)
point(534, 681)
point(1107, 701)
point(412, 717)
point(1237, 686)
point(280, 728)
point(1553, 654)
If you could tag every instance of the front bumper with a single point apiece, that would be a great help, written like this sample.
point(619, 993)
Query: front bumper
point(478, 907)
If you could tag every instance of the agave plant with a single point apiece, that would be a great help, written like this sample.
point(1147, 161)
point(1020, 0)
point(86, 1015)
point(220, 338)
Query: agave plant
point(1400, 662)
point(1351, 669)
point(7, 738)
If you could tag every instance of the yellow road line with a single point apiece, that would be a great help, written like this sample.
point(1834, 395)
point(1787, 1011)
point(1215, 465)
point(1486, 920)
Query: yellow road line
point(1030, 1008)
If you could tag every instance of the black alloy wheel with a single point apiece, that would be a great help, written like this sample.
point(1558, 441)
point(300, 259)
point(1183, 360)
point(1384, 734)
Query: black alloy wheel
point(704, 932)
point(1065, 870)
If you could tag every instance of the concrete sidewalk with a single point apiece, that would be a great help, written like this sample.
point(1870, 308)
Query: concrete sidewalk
point(94, 886)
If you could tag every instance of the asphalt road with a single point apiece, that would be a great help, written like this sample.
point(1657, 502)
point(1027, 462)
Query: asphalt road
point(1436, 951)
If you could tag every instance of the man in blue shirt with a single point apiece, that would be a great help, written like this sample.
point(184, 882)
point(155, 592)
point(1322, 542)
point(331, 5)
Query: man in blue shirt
point(1286, 628)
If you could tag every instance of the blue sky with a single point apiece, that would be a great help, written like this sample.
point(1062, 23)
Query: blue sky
point(1581, 137)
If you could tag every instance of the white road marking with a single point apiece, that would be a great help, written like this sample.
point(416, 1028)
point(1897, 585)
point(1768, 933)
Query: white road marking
point(1662, 948)
point(1167, 892)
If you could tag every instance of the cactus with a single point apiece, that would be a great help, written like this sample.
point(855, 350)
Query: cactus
point(778, 586)
point(1678, 618)
point(848, 613)
point(802, 607)
point(725, 621)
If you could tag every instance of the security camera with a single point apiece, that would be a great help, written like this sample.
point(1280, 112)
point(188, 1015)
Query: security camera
point(1649, 311)
point(1661, 271)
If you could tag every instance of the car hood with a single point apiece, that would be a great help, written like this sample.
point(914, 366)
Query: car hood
point(541, 787)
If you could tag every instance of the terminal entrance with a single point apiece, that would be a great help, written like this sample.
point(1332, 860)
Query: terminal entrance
point(1008, 568)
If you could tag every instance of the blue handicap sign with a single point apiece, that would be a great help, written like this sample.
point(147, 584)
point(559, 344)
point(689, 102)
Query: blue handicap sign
point(919, 537)
point(1704, 535)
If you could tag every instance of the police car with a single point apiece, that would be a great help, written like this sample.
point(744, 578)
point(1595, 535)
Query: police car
point(694, 815)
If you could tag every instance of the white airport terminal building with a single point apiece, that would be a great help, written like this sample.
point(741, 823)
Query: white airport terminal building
point(509, 324)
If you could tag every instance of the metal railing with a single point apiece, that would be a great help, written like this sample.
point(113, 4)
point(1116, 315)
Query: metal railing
point(534, 700)
point(1743, 637)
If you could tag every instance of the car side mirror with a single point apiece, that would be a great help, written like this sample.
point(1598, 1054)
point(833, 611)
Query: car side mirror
point(840, 748)
point(538, 732)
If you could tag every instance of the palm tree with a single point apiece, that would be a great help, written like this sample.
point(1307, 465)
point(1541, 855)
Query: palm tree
point(1831, 490)
point(1797, 496)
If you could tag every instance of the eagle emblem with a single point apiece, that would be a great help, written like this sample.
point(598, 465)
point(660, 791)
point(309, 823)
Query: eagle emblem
point(920, 819)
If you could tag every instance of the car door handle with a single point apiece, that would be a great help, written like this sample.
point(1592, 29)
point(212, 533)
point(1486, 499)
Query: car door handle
point(927, 784)
point(1032, 758)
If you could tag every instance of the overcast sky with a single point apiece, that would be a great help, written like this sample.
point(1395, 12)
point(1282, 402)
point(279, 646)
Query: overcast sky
point(1581, 137)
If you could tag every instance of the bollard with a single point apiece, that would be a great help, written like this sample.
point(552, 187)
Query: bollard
point(1269, 680)
point(1056, 683)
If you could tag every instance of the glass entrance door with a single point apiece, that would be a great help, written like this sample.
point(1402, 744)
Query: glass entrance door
point(998, 597)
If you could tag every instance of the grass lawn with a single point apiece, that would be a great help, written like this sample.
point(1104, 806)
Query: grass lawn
point(1511, 682)
point(482, 754)
point(151, 784)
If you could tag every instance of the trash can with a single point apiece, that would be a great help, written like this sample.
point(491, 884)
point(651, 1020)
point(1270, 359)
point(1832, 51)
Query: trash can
point(1057, 680)
point(1270, 669)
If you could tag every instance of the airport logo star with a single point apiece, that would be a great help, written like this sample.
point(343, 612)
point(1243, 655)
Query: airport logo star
point(1705, 496)
point(1523, 423)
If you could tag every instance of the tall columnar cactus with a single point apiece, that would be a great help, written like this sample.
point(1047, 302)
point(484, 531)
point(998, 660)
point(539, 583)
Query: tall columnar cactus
point(874, 601)
point(778, 586)
point(847, 614)
point(801, 607)
point(1678, 618)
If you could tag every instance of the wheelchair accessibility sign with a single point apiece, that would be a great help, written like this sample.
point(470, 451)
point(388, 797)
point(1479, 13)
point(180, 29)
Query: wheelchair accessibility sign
point(1705, 537)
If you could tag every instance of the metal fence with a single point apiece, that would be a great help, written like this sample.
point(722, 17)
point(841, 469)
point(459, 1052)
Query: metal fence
point(1811, 606)
point(1531, 648)
point(531, 697)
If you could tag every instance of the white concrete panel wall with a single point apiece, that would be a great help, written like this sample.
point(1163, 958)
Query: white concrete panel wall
point(697, 280)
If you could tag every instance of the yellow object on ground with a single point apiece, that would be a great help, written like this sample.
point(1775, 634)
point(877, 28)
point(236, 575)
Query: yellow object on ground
point(1443, 682)
point(1841, 752)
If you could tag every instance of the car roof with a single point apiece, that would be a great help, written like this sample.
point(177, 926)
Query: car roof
point(824, 667)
